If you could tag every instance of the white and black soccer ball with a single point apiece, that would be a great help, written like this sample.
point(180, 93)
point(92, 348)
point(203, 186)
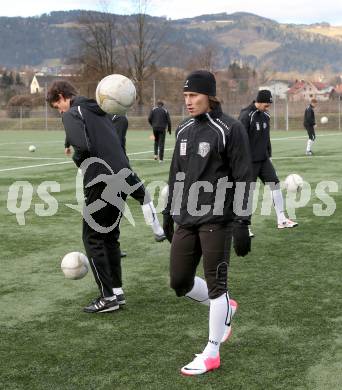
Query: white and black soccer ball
point(115, 94)
point(324, 120)
point(32, 148)
point(293, 183)
point(75, 265)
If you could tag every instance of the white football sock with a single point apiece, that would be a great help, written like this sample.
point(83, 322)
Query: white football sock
point(199, 292)
point(118, 291)
point(278, 202)
point(309, 145)
point(156, 227)
point(217, 322)
point(151, 218)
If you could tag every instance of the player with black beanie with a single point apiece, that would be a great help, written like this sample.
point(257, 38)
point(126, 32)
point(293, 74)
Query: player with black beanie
point(210, 159)
point(256, 121)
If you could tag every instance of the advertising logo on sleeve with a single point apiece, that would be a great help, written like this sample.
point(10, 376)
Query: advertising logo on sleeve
point(182, 147)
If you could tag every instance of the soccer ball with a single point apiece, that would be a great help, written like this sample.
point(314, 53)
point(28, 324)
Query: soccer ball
point(324, 120)
point(115, 94)
point(293, 183)
point(32, 148)
point(75, 265)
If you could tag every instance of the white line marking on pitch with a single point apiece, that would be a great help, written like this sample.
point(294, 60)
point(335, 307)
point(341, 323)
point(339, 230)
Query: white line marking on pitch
point(34, 158)
point(147, 151)
point(303, 157)
point(31, 142)
point(62, 141)
point(151, 151)
point(59, 163)
point(35, 166)
point(147, 159)
point(304, 137)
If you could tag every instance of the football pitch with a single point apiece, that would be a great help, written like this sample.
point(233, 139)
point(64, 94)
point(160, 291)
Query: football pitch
point(287, 332)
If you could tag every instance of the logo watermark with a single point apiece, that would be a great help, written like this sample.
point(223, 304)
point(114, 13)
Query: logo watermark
point(201, 198)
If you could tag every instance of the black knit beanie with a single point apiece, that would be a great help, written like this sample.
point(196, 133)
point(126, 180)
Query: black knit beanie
point(201, 81)
point(264, 96)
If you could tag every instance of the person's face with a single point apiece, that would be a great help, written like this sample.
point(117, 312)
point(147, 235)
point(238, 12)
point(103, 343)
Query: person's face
point(196, 103)
point(62, 104)
point(263, 106)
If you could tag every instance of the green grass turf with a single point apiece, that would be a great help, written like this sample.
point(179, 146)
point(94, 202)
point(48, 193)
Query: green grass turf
point(286, 333)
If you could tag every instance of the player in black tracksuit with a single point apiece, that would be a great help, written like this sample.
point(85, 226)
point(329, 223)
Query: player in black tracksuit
point(256, 121)
point(90, 132)
point(309, 124)
point(211, 156)
point(120, 123)
point(159, 119)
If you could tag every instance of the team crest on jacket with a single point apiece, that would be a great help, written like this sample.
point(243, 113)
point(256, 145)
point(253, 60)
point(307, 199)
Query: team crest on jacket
point(203, 148)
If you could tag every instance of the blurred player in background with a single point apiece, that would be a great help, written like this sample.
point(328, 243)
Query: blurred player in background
point(159, 119)
point(309, 124)
point(256, 120)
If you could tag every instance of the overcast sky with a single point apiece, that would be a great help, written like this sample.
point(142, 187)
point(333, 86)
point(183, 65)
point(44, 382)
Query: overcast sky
point(298, 11)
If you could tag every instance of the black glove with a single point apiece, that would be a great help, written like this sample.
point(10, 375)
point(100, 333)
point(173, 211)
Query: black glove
point(169, 131)
point(241, 239)
point(168, 225)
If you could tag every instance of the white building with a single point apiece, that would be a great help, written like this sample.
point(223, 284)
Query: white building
point(278, 88)
point(39, 82)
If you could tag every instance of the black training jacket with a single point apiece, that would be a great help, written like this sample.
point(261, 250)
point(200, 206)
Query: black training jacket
point(208, 148)
point(159, 117)
point(309, 117)
point(257, 124)
point(120, 123)
point(91, 133)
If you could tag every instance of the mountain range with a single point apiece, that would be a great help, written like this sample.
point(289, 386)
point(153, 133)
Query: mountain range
point(52, 39)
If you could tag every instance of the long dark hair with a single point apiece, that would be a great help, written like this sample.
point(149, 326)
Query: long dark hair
point(214, 102)
point(60, 87)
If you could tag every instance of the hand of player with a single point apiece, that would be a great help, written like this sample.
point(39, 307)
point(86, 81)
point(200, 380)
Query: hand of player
point(241, 238)
point(67, 151)
point(169, 131)
point(168, 226)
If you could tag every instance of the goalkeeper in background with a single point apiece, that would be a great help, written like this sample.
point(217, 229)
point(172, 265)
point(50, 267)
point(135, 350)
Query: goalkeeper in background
point(309, 124)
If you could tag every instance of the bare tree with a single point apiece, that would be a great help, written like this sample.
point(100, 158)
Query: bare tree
point(98, 38)
point(204, 59)
point(143, 46)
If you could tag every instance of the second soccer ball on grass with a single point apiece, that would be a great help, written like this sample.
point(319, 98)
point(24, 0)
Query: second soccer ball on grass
point(293, 182)
point(75, 265)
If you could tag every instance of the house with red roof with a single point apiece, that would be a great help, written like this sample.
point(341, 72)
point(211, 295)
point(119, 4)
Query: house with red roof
point(307, 90)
